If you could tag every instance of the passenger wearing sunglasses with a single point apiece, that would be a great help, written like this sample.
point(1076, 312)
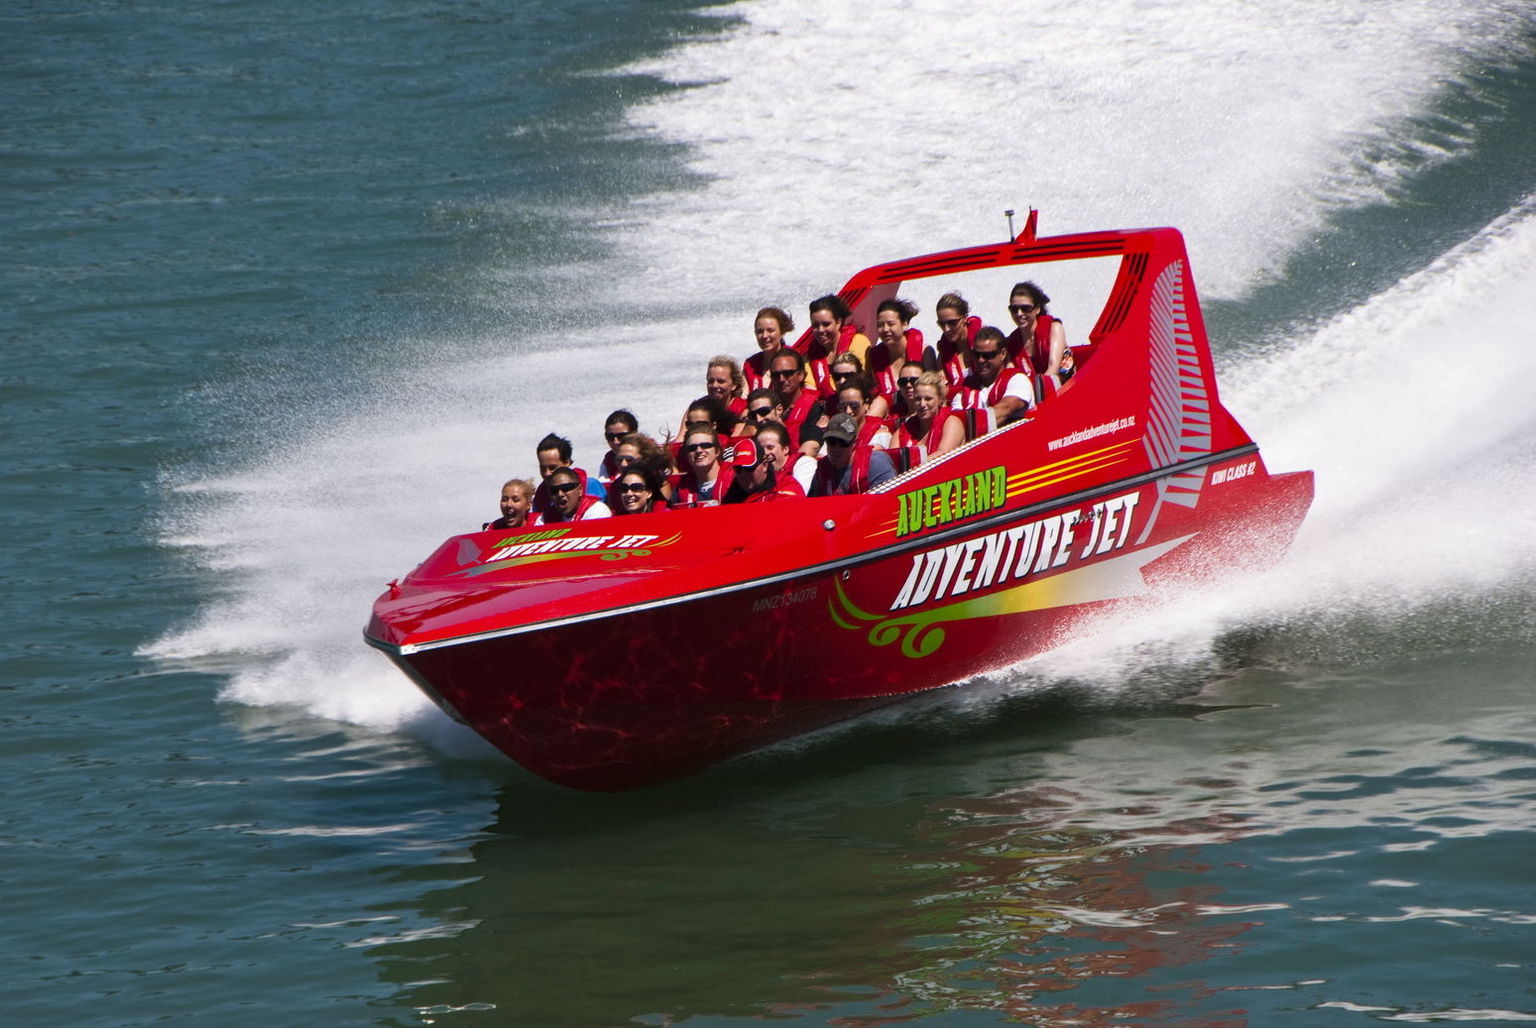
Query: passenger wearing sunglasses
point(698, 484)
point(638, 450)
point(567, 502)
point(1039, 338)
point(847, 368)
point(787, 380)
point(901, 407)
point(957, 329)
point(638, 490)
point(762, 406)
point(619, 424)
point(847, 467)
point(1004, 392)
point(853, 399)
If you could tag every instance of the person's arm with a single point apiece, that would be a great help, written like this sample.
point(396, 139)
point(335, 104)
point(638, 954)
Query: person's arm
point(811, 429)
point(803, 470)
point(880, 468)
point(951, 437)
point(1015, 401)
point(1058, 346)
point(1006, 409)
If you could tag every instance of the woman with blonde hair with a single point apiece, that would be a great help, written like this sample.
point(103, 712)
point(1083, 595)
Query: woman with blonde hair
point(931, 426)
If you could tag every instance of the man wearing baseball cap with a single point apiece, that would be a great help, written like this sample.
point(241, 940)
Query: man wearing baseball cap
point(846, 467)
point(755, 480)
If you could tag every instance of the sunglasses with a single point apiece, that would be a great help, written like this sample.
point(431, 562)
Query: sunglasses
point(831, 441)
point(564, 487)
point(985, 355)
point(760, 412)
point(907, 382)
point(634, 487)
point(615, 437)
point(948, 323)
point(852, 406)
point(785, 373)
point(694, 447)
point(1021, 308)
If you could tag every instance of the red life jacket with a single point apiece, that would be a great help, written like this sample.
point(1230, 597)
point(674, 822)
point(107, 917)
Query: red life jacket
point(608, 470)
point(796, 415)
point(824, 483)
point(542, 504)
point(952, 358)
point(935, 435)
point(867, 431)
point(882, 368)
point(685, 490)
point(755, 370)
point(1036, 359)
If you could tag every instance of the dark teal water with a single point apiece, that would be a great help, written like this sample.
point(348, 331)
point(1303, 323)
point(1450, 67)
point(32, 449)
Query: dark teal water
point(289, 290)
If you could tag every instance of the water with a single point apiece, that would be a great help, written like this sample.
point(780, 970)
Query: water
point(290, 290)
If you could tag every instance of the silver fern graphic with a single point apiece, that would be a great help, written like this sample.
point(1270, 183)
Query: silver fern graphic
point(1180, 422)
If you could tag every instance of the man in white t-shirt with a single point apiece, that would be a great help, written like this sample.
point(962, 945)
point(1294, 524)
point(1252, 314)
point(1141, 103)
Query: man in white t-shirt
point(1004, 392)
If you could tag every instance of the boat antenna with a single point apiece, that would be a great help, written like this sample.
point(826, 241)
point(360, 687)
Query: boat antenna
point(1009, 213)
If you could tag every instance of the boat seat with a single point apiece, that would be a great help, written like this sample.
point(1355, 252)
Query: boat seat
point(905, 458)
point(1045, 388)
point(977, 421)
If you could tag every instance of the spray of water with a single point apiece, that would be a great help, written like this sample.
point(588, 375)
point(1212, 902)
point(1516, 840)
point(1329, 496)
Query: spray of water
point(827, 132)
point(1412, 411)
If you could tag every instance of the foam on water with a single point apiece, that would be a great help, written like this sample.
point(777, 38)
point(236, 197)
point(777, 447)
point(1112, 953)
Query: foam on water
point(831, 134)
point(1425, 466)
point(1155, 113)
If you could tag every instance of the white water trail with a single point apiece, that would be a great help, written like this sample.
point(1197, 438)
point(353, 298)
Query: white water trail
point(833, 134)
point(1414, 413)
point(830, 142)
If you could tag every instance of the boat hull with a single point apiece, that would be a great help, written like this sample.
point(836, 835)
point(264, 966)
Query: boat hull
point(634, 696)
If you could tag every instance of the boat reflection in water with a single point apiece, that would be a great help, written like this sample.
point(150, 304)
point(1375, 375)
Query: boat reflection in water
point(874, 904)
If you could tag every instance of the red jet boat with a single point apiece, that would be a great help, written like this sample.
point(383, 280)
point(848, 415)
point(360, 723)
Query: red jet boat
point(616, 653)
